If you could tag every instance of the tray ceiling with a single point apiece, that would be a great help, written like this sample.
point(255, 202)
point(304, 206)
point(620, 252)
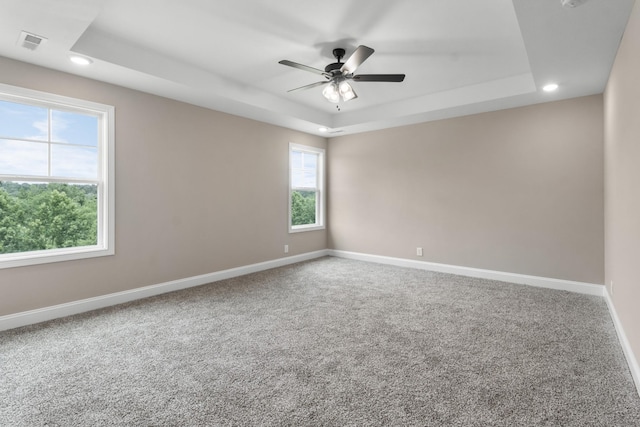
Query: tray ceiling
point(459, 57)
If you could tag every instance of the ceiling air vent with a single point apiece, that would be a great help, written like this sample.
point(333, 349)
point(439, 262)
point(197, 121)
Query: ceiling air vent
point(30, 41)
point(572, 3)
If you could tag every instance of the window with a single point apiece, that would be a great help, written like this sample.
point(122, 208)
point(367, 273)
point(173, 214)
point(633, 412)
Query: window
point(306, 193)
point(56, 178)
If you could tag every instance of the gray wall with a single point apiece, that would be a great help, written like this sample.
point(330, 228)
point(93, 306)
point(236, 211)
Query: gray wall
point(517, 190)
point(622, 179)
point(197, 191)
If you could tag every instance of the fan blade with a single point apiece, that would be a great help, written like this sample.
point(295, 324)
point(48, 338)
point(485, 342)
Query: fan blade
point(356, 59)
point(304, 67)
point(308, 86)
point(379, 77)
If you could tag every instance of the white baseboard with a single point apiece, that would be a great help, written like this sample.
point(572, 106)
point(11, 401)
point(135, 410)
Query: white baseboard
point(54, 312)
point(632, 361)
point(542, 282)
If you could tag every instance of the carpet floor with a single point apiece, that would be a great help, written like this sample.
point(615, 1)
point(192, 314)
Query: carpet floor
point(329, 342)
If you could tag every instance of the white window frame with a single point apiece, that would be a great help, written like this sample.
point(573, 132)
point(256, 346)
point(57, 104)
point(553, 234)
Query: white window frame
point(319, 189)
point(106, 177)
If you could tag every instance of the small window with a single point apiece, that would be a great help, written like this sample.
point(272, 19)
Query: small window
point(306, 188)
point(56, 178)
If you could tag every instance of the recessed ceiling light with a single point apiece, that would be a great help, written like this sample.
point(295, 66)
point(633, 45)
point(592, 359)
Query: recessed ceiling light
point(80, 60)
point(323, 129)
point(550, 87)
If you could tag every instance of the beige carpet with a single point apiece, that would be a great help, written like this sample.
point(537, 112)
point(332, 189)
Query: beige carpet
point(330, 342)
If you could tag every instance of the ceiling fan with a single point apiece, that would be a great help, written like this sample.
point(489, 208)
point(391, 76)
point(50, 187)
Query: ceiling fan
point(338, 74)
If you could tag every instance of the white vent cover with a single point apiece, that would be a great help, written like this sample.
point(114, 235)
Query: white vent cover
point(572, 3)
point(30, 41)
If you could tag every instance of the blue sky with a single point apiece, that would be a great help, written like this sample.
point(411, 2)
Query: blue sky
point(25, 133)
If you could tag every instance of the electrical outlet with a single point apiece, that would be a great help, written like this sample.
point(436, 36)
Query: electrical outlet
point(419, 251)
point(286, 249)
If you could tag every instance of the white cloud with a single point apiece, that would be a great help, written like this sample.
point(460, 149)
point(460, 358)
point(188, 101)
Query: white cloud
point(23, 158)
point(58, 126)
point(76, 162)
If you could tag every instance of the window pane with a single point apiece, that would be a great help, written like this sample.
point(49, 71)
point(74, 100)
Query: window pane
point(74, 162)
point(309, 178)
point(310, 161)
point(74, 128)
point(297, 177)
point(303, 178)
point(296, 159)
point(304, 169)
point(23, 121)
point(47, 216)
point(23, 158)
point(306, 204)
point(303, 207)
point(58, 156)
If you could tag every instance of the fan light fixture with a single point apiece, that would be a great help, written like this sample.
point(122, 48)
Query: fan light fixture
point(338, 90)
point(331, 92)
point(346, 91)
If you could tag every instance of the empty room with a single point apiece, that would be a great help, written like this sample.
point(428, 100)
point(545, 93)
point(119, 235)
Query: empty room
point(301, 213)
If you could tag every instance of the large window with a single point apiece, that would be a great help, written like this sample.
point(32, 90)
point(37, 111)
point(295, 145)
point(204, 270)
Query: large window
point(56, 178)
point(306, 192)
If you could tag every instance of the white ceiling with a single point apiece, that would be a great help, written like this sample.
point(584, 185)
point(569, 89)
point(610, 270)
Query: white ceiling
point(459, 57)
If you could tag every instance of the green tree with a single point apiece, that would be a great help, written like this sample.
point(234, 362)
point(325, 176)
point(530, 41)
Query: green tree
point(46, 216)
point(59, 222)
point(303, 207)
point(7, 220)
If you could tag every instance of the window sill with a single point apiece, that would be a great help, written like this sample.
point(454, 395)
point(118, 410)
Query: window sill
point(302, 228)
point(55, 255)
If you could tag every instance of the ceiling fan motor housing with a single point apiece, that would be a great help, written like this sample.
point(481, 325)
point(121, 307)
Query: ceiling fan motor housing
point(333, 67)
point(339, 54)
